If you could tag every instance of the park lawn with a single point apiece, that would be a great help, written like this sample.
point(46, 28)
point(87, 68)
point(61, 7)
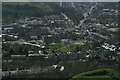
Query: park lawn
point(61, 47)
point(66, 49)
point(77, 42)
point(55, 46)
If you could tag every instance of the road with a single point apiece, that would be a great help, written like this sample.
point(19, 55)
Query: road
point(99, 35)
point(23, 43)
point(87, 15)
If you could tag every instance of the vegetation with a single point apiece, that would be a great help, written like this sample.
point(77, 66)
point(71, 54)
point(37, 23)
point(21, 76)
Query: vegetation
point(65, 46)
point(98, 74)
point(13, 11)
point(26, 9)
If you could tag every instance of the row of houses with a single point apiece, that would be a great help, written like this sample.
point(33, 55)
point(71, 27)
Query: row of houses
point(56, 57)
point(30, 57)
point(110, 47)
point(102, 54)
point(8, 37)
point(62, 18)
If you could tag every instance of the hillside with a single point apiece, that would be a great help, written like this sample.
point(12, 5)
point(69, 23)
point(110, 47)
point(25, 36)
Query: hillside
point(13, 11)
point(100, 74)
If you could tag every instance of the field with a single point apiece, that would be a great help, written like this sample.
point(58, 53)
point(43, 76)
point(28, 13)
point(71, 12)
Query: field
point(65, 46)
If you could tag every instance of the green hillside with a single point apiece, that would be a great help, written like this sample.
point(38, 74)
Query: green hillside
point(12, 11)
point(100, 74)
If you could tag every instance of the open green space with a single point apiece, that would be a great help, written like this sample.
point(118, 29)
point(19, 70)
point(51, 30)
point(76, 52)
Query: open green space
point(65, 46)
point(100, 74)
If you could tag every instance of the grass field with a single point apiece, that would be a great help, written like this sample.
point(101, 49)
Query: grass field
point(65, 46)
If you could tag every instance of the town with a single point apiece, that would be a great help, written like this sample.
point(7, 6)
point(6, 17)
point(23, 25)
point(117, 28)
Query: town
point(44, 44)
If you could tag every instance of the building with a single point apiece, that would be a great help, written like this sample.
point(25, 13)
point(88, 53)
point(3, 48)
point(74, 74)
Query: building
point(36, 57)
point(18, 58)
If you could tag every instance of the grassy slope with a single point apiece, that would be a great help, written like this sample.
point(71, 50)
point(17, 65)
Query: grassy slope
point(110, 75)
point(39, 6)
